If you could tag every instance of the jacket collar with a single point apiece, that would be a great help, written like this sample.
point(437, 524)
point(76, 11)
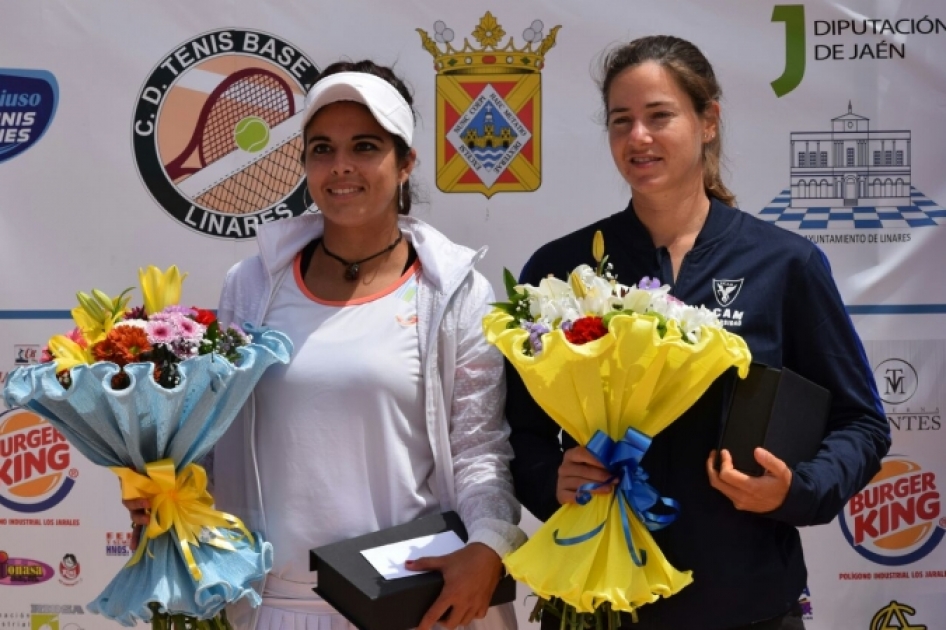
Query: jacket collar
point(444, 263)
point(718, 222)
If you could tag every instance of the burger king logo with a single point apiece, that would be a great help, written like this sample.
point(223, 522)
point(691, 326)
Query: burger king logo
point(896, 519)
point(217, 131)
point(34, 463)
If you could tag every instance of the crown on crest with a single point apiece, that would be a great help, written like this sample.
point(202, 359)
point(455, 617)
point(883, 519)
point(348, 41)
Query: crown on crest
point(491, 56)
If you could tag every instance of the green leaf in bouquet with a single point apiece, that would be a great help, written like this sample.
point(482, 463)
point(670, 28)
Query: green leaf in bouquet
point(211, 338)
point(517, 306)
point(510, 281)
point(661, 324)
point(601, 265)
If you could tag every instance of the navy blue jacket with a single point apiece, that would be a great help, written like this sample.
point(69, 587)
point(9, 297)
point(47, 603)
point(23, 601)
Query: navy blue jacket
point(746, 567)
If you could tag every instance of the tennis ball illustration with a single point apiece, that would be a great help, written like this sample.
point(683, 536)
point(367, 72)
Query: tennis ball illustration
point(251, 134)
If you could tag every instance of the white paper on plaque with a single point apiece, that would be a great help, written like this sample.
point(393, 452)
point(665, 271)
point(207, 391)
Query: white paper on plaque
point(388, 560)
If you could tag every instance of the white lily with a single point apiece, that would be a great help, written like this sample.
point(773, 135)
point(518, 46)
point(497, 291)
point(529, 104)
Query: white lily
point(637, 300)
point(599, 298)
point(668, 306)
point(693, 319)
point(552, 302)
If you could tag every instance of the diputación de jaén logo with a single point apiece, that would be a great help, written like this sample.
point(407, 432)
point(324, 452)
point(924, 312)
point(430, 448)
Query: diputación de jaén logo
point(28, 101)
point(35, 460)
point(216, 131)
point(896, 519)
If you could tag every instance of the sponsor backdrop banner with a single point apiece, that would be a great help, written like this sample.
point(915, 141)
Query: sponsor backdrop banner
point(160, 133)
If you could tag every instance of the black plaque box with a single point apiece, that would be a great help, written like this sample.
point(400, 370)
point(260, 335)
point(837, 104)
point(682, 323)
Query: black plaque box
point(353, 587)
point(779, 410)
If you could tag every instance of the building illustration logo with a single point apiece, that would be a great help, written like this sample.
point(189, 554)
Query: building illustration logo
point(852, 177)
point(216, 131)
point(489, 107)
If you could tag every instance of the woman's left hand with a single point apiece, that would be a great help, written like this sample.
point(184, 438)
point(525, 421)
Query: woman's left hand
point(751, 494)
point(470, 576)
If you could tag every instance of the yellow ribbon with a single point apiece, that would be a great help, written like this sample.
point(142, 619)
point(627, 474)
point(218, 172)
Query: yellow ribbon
point(179, 501)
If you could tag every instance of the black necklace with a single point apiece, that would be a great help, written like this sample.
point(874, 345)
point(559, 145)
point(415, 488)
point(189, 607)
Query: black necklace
point(353, 267)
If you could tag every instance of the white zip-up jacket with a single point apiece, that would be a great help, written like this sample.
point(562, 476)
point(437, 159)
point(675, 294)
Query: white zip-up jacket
point(463, 381)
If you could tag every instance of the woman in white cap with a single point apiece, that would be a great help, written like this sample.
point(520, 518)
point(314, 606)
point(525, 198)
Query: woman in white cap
point(392, 406)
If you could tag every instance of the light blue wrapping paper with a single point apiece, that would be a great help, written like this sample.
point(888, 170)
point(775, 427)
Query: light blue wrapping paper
point(146, 423)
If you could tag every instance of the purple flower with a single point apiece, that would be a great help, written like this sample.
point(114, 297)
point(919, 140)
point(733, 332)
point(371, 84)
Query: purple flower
point(183, 310)
point(648, 283)
point(536, 330)
point(240, 337)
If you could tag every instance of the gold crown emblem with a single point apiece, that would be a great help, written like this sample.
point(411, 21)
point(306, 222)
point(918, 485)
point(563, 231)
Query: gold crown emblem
point(490, 57)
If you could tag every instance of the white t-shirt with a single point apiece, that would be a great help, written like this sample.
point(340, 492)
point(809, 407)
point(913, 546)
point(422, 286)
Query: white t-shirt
point(342, 435)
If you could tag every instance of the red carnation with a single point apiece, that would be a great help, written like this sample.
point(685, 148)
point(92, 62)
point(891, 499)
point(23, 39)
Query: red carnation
point(586, 329)
point(203, 316)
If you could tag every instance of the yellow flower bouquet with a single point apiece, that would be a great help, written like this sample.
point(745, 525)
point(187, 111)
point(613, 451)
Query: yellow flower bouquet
point(612, 365)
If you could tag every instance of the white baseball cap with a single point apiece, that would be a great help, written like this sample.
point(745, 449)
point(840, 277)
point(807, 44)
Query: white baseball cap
point(380, 97)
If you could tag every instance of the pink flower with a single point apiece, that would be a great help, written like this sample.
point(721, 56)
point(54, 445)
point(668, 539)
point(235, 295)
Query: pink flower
point(189, 329)
point(76, 335)
point(160, 332)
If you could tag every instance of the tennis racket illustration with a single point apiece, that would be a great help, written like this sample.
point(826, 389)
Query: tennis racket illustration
point(243, 154)
point(261, 184)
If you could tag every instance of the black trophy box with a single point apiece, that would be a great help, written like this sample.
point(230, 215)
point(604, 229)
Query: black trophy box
point(353, 587)
point(779, 410)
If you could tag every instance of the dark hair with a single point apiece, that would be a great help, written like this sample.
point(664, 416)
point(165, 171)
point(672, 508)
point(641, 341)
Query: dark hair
point(401, 148)
point(694, 74)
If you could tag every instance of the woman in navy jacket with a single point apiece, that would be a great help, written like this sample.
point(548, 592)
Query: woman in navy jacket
point(736, 533)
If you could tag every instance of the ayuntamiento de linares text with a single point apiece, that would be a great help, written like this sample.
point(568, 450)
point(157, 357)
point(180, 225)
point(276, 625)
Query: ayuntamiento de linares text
point(883, 237)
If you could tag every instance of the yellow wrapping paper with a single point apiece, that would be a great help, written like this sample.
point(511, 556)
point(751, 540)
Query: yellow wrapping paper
point(631, 377)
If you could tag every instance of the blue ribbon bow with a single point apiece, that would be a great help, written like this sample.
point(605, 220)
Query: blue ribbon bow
point(622, 459)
